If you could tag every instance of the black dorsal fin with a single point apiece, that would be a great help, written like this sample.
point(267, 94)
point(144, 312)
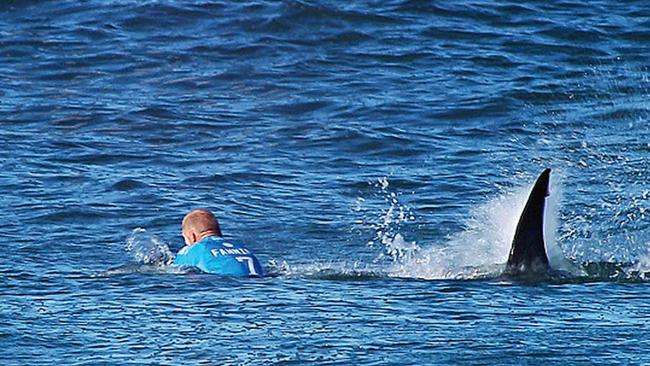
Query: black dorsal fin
point(528, 252)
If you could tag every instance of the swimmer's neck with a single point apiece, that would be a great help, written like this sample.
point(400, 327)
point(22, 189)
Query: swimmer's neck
point(208, 233)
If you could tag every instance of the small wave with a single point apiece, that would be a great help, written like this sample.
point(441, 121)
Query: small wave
point(127, 184)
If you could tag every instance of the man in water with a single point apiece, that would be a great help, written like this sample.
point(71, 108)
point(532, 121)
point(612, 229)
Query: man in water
point(206, 250)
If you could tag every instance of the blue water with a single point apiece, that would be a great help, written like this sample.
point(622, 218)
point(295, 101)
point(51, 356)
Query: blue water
point(374, 154)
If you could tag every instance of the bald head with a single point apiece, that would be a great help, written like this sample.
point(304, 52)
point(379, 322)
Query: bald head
point(199, 224)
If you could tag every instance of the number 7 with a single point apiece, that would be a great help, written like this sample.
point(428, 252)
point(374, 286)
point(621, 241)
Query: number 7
point(251, 264)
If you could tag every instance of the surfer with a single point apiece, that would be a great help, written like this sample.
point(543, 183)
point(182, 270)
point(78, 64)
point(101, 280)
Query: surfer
point(206, 250)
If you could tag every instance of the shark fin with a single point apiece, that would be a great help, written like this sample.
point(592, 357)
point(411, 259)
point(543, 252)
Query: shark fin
point(528, 252)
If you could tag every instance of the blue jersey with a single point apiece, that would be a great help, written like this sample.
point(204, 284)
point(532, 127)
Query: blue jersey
point(215, 255)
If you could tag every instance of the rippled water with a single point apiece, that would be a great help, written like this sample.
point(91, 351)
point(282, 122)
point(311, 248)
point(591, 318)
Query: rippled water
point(375, 155)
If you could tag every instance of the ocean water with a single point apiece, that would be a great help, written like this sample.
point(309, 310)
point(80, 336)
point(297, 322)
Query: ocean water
point(374, 154)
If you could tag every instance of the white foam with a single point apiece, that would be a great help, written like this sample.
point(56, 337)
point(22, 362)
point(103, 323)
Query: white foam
point(642, 267)
point(146, 248)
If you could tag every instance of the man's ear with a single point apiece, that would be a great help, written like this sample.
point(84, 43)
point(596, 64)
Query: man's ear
point(195, 238)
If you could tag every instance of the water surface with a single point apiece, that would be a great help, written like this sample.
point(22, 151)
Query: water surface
point(374, 155)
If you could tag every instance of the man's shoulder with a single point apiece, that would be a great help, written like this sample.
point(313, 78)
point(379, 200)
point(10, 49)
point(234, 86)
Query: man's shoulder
point(191, 251)
point(184, 250)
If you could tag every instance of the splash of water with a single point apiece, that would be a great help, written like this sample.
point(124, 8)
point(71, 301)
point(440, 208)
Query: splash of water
point(385, 225)
point(642, 267)
point(388, 224)
point(482, 249)
point(605, 219)
point(146, 248)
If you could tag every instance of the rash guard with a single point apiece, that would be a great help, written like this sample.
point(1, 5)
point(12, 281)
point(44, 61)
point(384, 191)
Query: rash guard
point(215, 255)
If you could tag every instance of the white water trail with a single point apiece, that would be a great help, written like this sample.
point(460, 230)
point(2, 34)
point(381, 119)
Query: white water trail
point(324, 270)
